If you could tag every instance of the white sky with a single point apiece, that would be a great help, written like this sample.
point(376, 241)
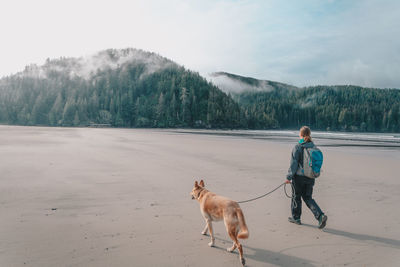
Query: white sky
point(298, 42)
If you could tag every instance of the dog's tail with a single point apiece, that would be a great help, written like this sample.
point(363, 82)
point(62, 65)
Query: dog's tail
point(244, 232)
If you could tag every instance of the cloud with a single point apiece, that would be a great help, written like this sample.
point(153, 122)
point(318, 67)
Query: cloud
point(357, 43)
point(232, 85)
point(297, 42)
point(87, 66)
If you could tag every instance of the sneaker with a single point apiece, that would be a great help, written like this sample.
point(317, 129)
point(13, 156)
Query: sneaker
point(295, 221)
point(322, 221)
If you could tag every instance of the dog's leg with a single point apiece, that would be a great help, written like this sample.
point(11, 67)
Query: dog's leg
point(231, 249)
point(209, 224)
point(205, 230)
point(242, 260)
point(239, 247)
point(233, 232)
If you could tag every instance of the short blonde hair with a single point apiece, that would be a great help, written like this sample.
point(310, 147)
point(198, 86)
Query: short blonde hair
point(305, 132)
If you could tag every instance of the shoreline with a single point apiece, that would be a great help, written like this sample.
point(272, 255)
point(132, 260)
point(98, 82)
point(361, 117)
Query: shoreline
point(356, 139)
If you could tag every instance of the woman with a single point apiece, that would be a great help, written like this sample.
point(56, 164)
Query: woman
point(303, 185)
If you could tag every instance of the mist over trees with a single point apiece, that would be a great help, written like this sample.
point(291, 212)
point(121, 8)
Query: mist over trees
point(268, 104)
point(133, 88)
point(334, 108)
point(134, 94)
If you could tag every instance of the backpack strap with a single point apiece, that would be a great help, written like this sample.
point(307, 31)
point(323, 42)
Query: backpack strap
point(301, 162)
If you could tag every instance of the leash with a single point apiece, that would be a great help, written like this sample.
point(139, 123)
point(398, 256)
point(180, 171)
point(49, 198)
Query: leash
point(270, 192)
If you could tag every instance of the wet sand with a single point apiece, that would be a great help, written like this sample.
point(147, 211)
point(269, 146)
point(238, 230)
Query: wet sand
point(120, 197)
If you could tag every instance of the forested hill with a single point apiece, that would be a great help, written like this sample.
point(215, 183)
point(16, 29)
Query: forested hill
point(122, 88)
point(134, 88)
point(339, 108)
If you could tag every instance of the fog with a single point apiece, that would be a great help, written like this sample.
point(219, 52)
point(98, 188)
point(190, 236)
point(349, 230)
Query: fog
point(86, 66)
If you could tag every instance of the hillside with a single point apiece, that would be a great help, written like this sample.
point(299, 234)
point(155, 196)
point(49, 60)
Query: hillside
point(134, 88)
point(121, 88)
point(267, 105)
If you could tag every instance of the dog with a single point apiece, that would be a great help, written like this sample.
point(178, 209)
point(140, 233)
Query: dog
point(216, 208)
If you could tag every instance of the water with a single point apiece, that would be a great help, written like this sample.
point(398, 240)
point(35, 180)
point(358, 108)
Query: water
point(383, 140)
point(376, 137)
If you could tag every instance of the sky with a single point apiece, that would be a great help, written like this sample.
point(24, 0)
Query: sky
point(308, 42)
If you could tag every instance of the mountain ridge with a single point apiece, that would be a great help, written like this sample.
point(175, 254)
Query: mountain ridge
point(275, 84)
point(121, 88)
point(135, 88)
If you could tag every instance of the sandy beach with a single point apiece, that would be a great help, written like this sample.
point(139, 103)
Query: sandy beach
point(121, 197)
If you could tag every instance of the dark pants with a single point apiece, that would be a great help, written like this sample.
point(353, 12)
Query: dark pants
point(304, 189)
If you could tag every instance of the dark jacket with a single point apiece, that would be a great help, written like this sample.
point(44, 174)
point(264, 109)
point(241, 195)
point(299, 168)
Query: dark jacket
point(297, 158)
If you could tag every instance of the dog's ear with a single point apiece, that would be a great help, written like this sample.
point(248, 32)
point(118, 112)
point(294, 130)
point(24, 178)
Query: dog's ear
point(201, 183)
point(196, 185)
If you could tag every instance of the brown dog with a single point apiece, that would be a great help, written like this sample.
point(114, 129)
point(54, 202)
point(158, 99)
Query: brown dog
point(216, 208)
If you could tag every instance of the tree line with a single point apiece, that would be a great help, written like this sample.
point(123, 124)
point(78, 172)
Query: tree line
point(120, 97)
point(129, 96)
point(336, 108)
